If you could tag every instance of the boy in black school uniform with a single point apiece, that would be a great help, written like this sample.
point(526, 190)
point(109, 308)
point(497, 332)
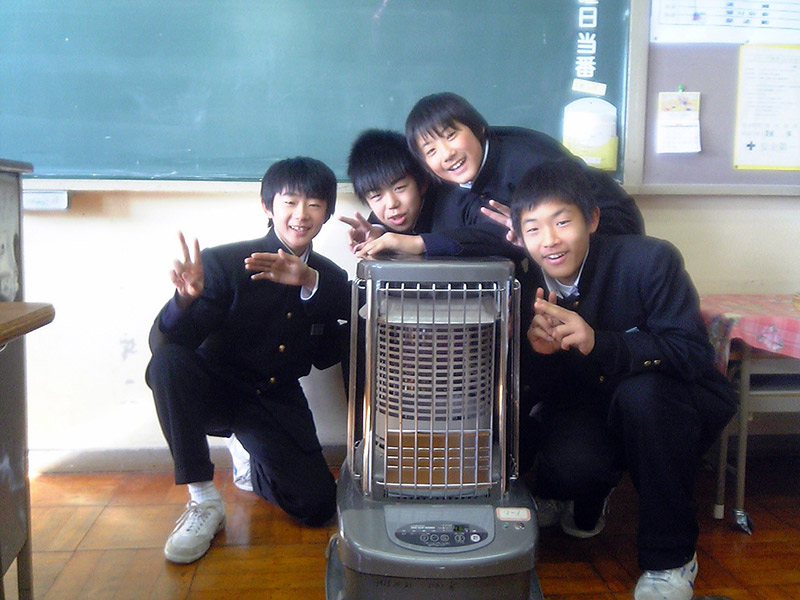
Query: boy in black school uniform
point(478, 163)
point(388, 179)
point(475, 167)
point(405, 215)
point(625, 374)
point(248, 319)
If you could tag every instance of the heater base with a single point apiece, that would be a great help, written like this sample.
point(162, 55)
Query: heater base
point(342, 583)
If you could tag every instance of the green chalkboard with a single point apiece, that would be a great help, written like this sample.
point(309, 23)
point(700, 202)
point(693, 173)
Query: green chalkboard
point(220, 89)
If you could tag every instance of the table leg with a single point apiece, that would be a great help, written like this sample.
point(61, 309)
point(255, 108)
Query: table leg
point(741, 517)
point(722, 467)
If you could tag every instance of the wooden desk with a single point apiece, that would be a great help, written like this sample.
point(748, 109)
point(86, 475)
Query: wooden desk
point(19, 318)
point(16, 319)
point(760, 335)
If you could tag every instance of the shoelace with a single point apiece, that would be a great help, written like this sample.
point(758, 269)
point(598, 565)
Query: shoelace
point(195, 518)
point(657, 575)
point(244, 475)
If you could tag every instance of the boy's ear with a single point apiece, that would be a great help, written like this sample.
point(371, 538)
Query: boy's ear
point(266, 210)
point(595, 220)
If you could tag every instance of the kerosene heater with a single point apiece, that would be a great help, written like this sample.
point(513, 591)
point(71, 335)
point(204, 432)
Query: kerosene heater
point(429, 505)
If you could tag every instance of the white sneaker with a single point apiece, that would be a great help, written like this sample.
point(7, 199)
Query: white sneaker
point(569, 527)
point(241, 464)
point(671, 584)
point(548, 511)
point(194, 531)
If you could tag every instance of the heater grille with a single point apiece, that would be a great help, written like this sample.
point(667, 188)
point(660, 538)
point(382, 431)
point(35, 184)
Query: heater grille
point(434, 388)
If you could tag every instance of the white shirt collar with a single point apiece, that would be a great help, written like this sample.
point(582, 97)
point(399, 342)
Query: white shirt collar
point(562, 290)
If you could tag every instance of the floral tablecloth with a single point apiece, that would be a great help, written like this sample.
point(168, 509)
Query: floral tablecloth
point(763, 321)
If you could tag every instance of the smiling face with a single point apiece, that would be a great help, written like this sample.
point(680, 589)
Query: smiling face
point(454, 154)
point(556, 236)
point(297, 219)
point(397, 205)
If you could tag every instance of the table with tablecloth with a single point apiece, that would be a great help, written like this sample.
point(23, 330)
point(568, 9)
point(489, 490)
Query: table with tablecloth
point(765, 329)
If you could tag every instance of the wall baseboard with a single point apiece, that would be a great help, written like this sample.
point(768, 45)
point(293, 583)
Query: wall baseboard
point(134, 459)
point(159, 459)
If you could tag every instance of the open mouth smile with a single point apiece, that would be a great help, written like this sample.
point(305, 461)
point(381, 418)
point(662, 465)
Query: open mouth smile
point(458, 165)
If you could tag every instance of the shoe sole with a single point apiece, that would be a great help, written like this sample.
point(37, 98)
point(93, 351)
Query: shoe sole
point(580, 533)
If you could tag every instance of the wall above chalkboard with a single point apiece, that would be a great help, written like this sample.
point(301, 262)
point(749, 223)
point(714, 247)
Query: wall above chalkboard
point(219, 89)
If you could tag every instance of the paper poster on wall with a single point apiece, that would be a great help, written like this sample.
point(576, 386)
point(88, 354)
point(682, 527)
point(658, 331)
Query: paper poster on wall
point(590, 131)
point(767, 116)
point(724, 21)
point(678, 122)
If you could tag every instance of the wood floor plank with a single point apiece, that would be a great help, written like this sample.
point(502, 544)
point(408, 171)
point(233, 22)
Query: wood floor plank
point(127, 527)
point(776, 592)
point(46, 567)
point(99, 537)
point(61, 489)
point(174, 582)
point(149, 488)
point(79, 569)
point(582, 596)
point(61, 528)
point(119, 575)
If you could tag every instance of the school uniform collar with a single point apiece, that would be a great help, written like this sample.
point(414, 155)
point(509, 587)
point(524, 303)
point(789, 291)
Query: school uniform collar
point(491, 156)
point(564, 291)
point(279, 242)
point(468, 185)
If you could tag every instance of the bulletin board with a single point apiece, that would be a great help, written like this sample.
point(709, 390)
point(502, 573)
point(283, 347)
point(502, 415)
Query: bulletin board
point(713, 70)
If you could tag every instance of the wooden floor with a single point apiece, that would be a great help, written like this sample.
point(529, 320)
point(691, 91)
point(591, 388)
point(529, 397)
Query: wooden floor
point(100, 536)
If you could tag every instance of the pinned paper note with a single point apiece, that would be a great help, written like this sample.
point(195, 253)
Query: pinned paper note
point(678, 122)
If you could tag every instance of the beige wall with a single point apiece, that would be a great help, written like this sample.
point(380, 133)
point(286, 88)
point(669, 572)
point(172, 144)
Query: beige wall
point(104, 264)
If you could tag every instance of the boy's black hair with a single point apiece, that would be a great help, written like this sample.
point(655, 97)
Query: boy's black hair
point(565, 180)
point(433, 114)
point(380, 157)
point(302, 175)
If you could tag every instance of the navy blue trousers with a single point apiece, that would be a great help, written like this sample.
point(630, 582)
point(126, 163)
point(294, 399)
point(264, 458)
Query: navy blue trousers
point(651, 427)
point(276, 427)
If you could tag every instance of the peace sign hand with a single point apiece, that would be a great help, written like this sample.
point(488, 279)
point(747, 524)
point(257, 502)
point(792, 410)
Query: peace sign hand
point(187, 275)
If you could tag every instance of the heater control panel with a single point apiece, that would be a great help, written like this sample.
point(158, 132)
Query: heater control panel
point(440, 529)
point(435, 534)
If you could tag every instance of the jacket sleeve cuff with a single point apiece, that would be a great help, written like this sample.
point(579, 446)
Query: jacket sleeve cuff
point(610, 352)
point(437, 244)
point(171, 314)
